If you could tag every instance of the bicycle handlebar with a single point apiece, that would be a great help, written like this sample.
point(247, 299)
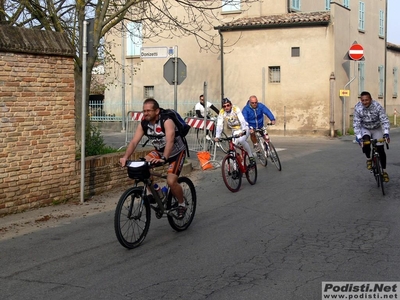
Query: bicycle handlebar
point(374, 141)
point(232, 136)
point(142, 159)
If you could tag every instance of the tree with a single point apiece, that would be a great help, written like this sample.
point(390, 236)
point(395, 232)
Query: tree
point(160, 19)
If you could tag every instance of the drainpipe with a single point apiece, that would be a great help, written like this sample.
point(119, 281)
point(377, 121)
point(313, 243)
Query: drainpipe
point(332, 106)
point(222, 64)
point(384, 74)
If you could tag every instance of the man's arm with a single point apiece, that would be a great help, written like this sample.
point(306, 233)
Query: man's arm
point(132, 145)
point(169, 127)
point(220, 124)
point(385, 123)
point(357, 123)
point(214, 109)
point(266, 111)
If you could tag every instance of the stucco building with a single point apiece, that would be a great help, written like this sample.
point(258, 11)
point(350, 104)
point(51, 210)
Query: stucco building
point(292, 54)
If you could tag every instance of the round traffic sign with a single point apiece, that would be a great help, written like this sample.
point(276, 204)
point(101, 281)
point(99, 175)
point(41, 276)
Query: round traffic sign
point(356, 52)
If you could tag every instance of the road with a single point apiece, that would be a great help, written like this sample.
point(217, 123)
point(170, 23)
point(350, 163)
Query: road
point(322, 218)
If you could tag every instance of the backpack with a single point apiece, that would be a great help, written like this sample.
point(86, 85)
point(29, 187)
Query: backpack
point(181, 125)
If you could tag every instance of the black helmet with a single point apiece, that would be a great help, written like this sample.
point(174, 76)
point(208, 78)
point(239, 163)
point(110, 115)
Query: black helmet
point(226, 100)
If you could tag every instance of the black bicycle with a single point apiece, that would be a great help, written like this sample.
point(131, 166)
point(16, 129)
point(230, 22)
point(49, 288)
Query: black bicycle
point(377, 169)
point(133, 212)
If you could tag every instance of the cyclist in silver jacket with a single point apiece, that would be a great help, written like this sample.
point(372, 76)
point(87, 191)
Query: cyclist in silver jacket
point(371, 121)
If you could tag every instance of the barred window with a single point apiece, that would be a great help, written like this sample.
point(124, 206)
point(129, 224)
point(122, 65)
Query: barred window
point(149, 91)
point(295, 51)
point(274, 74)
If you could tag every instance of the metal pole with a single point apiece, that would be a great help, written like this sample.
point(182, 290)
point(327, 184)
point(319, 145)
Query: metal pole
point(83, 116)
point(332, 100)
point(176, 78)
point(222, 64)
point(123, 77)
point(205, 115)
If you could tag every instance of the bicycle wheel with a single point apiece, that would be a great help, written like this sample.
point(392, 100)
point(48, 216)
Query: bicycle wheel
point(262, 155)
point(231, 173)
point(380, 174)
point(273, 156)
point(375, 171)
point(251, 171)
point(224, 144)
point(132, 218)
point(189, 194)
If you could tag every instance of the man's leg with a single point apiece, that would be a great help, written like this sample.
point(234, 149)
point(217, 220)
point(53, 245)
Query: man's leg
point(174, 170)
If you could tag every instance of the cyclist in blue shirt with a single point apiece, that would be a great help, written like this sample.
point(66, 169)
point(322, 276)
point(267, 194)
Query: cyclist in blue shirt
point(254, 113)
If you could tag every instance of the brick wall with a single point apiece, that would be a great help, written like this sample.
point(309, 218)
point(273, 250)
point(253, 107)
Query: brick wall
point(37, 126)
point(103, 173)
point(37, 119)
point(37, 131)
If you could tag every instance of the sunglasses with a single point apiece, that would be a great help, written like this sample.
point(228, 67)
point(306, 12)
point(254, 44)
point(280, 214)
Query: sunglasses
point(253, 102)
point(226, 105)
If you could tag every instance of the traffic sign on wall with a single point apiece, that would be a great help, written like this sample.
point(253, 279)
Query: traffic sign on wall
point(356, 52)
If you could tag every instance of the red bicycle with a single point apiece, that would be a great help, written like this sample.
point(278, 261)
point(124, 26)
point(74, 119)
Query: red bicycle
point(235, 164)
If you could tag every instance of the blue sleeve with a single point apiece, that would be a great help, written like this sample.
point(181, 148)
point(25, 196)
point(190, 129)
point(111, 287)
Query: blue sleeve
point(268, 113)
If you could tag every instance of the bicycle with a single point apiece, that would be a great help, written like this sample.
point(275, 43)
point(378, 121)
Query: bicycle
point(235, 164)
point(267, 149)
point(377, 169)
point(209, 138)
point(133, 212)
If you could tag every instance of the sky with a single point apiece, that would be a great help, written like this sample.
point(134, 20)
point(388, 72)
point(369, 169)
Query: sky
point(393, 30)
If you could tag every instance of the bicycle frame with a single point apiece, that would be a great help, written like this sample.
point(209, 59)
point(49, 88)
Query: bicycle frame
point(240, 156)
point(377, 170)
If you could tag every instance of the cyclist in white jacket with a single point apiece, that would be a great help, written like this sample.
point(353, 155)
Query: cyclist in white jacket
point(371, 121)
point(235, 121)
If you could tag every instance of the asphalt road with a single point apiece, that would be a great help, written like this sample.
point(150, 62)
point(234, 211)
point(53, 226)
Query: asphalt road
point(322, 218)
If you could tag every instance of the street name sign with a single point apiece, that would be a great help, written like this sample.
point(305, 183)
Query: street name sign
point(154, 52)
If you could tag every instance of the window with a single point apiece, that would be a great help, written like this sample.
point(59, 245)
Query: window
point(380, 74)
point(148, 91)
point(134, 39)
point(361, 77)
point(295, 4)
point(327, 4)
point(381, 23)
point(395, 82)
point(295, 51)
point(346, 3)
point(274, 74)
point(230, 5)
point(361, 16)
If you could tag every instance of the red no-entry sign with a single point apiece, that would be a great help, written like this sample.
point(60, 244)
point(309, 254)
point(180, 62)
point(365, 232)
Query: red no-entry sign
point(356, 52)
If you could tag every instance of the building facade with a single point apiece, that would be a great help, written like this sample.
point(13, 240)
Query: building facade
point(292, 54)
